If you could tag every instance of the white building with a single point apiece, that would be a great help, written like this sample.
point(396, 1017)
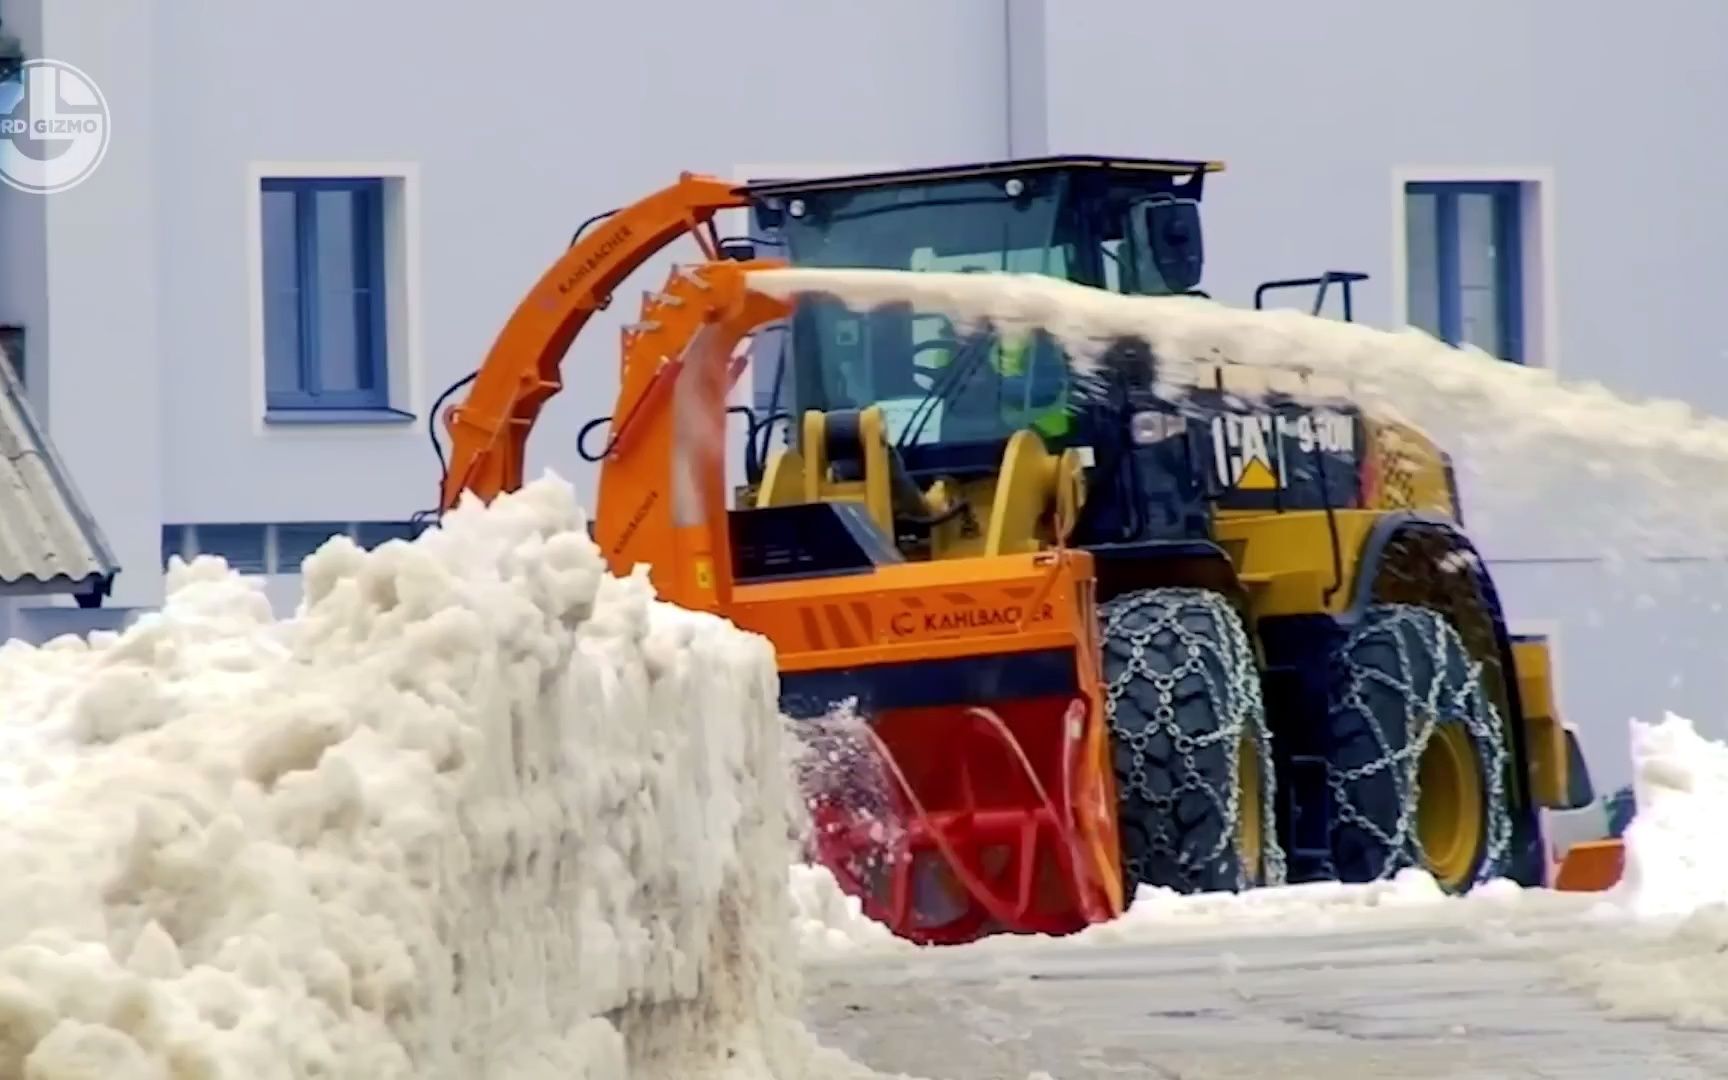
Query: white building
point(207, 394)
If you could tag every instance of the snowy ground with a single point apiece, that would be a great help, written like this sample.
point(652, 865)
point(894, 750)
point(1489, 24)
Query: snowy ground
point(1340, 983)
point(1410, 1002)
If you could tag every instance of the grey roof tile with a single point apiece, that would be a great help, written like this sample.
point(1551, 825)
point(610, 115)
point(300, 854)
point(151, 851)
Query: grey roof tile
point(49, 542)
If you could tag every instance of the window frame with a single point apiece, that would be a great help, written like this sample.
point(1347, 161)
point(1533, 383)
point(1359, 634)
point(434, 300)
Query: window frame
point(310, 396)
point(188, 540)
point(1510, 287)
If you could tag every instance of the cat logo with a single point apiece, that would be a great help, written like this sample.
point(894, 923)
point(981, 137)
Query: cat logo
point(1248, 452)
point(1245, 453)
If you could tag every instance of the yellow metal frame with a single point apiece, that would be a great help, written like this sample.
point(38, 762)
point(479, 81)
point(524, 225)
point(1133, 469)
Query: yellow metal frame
point(1544, 735)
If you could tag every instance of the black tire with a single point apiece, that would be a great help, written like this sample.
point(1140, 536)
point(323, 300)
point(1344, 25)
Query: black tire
point(1399, 679)
point(1183, 690)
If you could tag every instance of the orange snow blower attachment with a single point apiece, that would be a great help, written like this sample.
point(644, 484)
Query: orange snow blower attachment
point(978, 678)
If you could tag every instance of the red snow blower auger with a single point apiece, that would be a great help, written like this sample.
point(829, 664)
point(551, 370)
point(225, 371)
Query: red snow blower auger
point(974, 838)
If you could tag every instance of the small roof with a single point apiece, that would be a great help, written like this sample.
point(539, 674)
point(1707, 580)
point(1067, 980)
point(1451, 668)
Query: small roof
point(49, 542)
point(769, 188)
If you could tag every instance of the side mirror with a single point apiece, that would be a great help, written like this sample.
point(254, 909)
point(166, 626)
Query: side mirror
point(1167, 236)
point(737, 249)
point(768, 214)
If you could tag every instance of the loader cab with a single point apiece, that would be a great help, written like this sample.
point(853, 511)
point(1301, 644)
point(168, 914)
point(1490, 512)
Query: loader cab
point(953, 393)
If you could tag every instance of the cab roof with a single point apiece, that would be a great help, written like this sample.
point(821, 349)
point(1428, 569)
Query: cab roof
point(1089, 163)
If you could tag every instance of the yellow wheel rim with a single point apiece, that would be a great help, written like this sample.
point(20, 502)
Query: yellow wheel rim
point(1250, 842)
point(1449, 806)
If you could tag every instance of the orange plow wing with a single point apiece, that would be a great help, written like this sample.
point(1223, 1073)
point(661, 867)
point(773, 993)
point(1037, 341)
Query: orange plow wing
point(977, 684)
point(1591, 866)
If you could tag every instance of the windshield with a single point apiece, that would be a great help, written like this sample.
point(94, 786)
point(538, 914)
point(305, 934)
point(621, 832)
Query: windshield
point(934, 383)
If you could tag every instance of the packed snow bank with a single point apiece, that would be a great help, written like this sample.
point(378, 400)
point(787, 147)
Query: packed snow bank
point(1411, 898)
point(1676, 861)
point(478, 810)
point(831, 926)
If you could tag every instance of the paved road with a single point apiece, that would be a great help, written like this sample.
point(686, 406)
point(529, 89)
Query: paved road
point(1410, 1002)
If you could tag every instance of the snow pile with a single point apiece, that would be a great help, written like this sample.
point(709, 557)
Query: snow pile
point(1676, 861)
point(828, 921)
point(1675, 967)
point(1315, 907)
point(478, 810)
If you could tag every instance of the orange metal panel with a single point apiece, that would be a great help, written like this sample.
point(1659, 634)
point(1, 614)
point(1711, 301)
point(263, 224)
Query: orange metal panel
point(1592, 866)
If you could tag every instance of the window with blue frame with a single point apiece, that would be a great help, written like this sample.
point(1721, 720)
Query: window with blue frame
point(324, 294)
point(1465, 267)
point(278, 548)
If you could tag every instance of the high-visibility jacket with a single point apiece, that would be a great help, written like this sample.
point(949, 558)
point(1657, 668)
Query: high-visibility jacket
point(1013, 360)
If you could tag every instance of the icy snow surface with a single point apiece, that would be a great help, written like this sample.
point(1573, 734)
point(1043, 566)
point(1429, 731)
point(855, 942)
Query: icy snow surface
point(479, 810)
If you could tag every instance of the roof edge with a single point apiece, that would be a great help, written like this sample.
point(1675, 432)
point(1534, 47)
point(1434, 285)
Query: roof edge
point(59, 473)
point(1169, 166)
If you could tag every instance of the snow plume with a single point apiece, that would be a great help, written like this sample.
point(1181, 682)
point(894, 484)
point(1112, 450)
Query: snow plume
point(478, 810)
point(1623, 467)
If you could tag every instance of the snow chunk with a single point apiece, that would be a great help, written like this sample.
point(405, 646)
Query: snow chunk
point(1675, 860)
point(477, 809)
point(1156, 912)
point(1673, 963)
point(829, 920)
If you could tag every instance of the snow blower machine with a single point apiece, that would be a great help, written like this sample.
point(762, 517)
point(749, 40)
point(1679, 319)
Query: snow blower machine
point(1092, 637)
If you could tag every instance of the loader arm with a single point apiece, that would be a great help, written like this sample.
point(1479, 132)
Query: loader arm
point(489, 429)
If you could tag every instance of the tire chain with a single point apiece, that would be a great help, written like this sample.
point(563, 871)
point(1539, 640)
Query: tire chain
point(1480, 718)
point(1237, 704)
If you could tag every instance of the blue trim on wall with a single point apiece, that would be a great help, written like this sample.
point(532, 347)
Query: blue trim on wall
point(1508, 265)
point(372, 391)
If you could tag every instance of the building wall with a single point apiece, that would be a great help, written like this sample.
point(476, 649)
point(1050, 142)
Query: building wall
point(1317, 108)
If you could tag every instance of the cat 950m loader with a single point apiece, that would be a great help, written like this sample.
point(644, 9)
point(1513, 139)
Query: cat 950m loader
point(1098, 637)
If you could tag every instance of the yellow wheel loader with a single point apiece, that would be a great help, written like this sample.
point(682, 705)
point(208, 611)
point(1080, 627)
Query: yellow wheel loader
point(1093, 637)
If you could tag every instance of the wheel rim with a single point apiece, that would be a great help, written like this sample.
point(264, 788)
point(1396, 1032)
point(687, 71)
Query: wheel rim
point(1250, 841)
point(1449, 809)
